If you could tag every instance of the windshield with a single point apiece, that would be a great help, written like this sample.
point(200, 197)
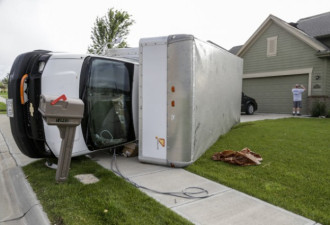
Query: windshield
point(108, 98)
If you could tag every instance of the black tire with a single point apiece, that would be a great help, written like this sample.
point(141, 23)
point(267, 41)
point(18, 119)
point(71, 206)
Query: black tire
point(249, 109)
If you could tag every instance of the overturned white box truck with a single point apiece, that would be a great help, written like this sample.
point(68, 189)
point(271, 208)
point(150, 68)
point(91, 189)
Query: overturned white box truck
point(175, 95)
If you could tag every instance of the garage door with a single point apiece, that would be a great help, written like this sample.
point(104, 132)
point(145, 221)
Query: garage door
point(273, 94)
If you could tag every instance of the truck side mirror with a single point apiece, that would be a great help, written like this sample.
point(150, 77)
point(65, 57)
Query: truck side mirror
point(66, 114)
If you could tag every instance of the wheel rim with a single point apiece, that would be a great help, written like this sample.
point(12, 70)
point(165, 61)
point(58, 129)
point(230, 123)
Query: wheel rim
point(250, 109)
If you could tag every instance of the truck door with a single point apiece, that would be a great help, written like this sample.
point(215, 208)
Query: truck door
point(106, 89)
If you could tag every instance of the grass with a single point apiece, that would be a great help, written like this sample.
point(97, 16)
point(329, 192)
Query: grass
point(110, 201)
point(4, 94)
point(295, 171)
point(3, 108)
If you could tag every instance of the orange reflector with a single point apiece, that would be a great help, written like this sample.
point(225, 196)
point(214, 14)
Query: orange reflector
point(173, 103)
point(161, 141)
point(173, 89)
point(21, 89)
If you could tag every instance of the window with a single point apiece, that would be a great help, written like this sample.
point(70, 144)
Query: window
point(272, 46)
point(109, 111)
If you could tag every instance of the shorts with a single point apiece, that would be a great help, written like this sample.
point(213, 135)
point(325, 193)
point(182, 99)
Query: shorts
point(297, 104)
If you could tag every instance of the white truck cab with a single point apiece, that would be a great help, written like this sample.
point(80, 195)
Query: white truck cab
point(106, 86)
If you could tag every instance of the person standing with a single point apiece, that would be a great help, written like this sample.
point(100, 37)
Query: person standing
point(297, 97)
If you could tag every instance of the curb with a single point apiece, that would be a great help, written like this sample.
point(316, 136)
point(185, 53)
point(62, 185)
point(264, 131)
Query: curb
point(27, 209)
point(19, 204)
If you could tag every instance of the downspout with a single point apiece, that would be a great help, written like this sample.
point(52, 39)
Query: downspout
point(326, 56)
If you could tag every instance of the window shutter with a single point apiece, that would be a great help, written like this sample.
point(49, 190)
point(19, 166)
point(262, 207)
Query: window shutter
point(272, 46)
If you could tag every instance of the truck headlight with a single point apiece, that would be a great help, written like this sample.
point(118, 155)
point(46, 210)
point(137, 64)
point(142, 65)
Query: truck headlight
point(41, 66)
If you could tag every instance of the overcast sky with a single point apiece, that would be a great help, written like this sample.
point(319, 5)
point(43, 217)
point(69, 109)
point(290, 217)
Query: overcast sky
point(65, 25)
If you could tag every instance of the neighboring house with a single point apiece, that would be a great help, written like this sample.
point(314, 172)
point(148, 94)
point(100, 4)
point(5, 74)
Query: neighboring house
point(279, 55)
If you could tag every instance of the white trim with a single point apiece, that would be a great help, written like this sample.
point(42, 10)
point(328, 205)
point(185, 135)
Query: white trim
point(284, 73)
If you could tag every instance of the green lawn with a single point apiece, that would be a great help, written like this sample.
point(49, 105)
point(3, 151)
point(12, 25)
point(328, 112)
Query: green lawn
point(4, 94)
point(295, 172)
point(3, 108)
point(110, 201)
point(295, 175)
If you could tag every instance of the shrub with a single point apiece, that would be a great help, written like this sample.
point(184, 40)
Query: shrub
point(319, 109)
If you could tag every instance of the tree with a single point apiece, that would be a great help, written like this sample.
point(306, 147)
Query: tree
point(5, 79)
point(4, 83)
point(110, 31)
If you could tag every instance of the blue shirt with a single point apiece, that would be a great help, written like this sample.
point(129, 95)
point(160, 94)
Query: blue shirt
point(297, 92)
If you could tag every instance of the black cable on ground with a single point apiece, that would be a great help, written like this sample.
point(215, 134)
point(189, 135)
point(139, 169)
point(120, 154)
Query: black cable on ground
point(187, 193)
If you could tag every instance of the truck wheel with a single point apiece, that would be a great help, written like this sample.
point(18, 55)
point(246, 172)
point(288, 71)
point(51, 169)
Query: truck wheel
point(250, 109)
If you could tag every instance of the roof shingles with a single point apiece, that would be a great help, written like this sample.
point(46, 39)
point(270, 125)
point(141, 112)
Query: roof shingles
point(315, 26)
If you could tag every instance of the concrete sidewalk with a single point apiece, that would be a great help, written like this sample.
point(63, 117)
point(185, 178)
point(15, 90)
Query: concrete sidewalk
point(18, 202)
point(224, 206)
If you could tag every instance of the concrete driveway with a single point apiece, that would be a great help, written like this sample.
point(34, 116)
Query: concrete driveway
point(263, 116)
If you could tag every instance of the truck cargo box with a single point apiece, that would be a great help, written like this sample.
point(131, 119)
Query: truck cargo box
point(189, 95)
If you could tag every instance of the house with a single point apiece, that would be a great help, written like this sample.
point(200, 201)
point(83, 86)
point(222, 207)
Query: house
point(279, 55)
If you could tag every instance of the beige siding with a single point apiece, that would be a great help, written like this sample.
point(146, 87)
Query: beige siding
point(273, 94)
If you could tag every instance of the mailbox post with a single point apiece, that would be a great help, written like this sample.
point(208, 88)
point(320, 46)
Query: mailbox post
point(66, 114)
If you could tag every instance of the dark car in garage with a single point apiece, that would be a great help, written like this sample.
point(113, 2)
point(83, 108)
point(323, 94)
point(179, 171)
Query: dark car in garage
point(248, 104)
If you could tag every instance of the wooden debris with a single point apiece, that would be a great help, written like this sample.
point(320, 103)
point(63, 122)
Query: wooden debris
point(245, 157)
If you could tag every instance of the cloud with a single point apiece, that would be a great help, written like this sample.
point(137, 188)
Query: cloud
point(63, 25)
point(20, 30)
point(43, 24)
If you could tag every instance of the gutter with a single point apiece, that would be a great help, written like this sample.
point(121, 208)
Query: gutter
point(323, 54)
